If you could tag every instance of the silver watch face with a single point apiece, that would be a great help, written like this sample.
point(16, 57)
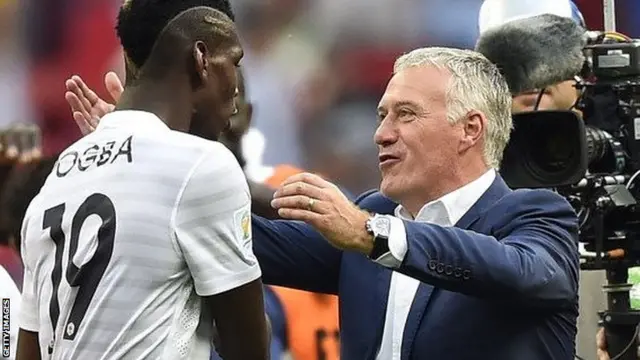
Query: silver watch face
point(381, 226)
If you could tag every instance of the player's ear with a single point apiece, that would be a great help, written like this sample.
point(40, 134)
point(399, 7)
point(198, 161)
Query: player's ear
point(200, 64)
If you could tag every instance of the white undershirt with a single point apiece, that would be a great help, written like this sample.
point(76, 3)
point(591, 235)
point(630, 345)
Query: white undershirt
point(445, 211)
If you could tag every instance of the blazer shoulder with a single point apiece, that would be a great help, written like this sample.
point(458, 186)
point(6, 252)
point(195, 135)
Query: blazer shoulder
point(374, 201)
point(535, 198)
point(365, 195)
point(526, 206)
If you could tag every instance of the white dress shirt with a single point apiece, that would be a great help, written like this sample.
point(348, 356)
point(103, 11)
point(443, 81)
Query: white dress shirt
point(445, 211)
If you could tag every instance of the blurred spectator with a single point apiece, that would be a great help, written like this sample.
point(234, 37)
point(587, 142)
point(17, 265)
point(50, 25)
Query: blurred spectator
point(628, 15)
point(66, 36)
point(19, 152)
point(14, 101)
point(20, 186)
point(311, 324)
point(340, 144)
point(436, 17)
point(279, 56)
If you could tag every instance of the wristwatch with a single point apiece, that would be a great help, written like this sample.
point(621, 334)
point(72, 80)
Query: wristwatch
point(379, 227)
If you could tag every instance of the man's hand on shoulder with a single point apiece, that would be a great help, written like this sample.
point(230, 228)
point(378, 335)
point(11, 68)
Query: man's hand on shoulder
point(309, 198)
point(86, 106)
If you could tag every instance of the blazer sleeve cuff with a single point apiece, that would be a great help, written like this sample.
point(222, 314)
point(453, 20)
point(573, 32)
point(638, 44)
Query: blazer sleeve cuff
point(397, 245)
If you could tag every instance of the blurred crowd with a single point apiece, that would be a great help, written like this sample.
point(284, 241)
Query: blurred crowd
point(314, 71)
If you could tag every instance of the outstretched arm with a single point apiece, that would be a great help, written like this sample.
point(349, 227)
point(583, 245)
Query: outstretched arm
point(531, 257)
point(292, 254)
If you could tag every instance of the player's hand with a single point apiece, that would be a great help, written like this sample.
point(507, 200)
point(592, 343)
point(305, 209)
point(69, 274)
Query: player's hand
point(86, 106)
point(20, 143)
point(321, 204)
point(601, 343)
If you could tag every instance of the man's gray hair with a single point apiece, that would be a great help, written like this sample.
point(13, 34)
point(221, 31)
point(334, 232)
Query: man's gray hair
point(476, 84)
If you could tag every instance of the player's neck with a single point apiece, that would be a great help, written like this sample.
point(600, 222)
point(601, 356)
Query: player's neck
point(163, 101)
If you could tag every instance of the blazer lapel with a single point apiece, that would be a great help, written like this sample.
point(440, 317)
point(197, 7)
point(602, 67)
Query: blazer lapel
point(495, 192)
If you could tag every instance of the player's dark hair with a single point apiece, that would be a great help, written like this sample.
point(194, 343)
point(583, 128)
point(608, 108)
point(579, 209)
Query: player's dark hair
point(140, 23)
point(23, 184)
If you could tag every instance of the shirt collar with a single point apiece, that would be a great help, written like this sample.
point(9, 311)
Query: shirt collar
point(131, 119)
point(449, 209)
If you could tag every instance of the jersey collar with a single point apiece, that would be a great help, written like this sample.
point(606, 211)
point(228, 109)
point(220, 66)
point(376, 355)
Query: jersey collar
point(131, 119)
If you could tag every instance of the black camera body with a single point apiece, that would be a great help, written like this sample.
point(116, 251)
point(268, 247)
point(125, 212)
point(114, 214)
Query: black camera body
point(614, 61)
point(611, 112)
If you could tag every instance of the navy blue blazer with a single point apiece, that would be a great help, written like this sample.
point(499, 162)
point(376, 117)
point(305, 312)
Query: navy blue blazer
point(500, 285)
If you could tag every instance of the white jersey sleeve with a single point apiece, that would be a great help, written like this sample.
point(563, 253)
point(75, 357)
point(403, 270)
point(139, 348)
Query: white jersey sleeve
point(212, 224)
point(29, 319)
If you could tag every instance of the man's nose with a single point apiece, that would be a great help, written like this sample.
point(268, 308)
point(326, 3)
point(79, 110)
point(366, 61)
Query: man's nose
point(385, 134)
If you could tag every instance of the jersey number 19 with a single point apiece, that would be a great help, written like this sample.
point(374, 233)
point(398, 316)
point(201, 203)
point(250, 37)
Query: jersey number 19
point(87, 276)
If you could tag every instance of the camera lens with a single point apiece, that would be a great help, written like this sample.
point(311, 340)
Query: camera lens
point(604, 152)
point(597, 143)
point(547, 149)
point(553, 153)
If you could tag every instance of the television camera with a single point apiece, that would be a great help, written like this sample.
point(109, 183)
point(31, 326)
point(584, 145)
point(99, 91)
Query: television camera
point(594, 162)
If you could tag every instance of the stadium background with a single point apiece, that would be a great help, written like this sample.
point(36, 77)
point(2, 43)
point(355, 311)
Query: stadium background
point(315, 70)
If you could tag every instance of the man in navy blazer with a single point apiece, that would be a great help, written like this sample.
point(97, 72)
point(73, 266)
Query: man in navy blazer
point(466, 268)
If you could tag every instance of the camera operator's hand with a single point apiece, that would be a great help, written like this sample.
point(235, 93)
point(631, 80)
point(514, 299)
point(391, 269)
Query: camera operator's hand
point(601, 343)
point(86, 106)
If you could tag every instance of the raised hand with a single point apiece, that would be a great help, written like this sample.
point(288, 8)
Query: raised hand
point(309, 198)
point(86, 106)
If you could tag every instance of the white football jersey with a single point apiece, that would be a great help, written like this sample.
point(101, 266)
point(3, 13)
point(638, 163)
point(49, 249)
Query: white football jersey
point(133, 226)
